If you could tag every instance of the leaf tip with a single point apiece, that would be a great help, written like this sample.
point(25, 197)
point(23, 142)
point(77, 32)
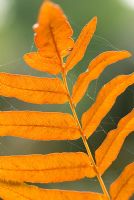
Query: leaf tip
point(125, 54)
point(94, 20)
point(128, 54)
point(93, 23)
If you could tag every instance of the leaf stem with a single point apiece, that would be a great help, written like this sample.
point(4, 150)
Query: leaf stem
point(72, 106)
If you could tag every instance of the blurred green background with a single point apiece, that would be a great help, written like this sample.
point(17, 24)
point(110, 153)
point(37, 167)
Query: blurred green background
point(115, 31)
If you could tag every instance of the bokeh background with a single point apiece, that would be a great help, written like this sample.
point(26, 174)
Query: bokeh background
point(115, 31)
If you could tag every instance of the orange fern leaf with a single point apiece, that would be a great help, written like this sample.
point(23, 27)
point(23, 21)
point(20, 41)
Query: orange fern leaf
point(53, 32)
point(123, 187)
point(38, 125)
point(111, 146)
point(95, 68)
point(81, 44)
point(15, 191)
point(56, 167)
point(33, 89)
point(52, 38)
point(104, 102)
point(36, 61)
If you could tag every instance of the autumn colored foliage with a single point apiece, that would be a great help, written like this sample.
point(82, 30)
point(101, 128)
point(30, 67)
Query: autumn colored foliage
point(53, 39)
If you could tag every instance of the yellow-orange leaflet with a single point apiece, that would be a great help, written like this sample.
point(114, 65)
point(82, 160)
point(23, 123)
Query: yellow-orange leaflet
point(104, 102)
point(123, 187)
point(111, 146)
point(53, 31)
point(33, 89)
point(95, 68)
point(81, 44)
point(38, 62)
point(38, 125)
point(16, 191)
point(56, 167)
point(52, 38)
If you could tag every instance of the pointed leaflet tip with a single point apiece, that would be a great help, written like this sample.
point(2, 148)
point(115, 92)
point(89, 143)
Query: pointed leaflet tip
point(95, 19)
